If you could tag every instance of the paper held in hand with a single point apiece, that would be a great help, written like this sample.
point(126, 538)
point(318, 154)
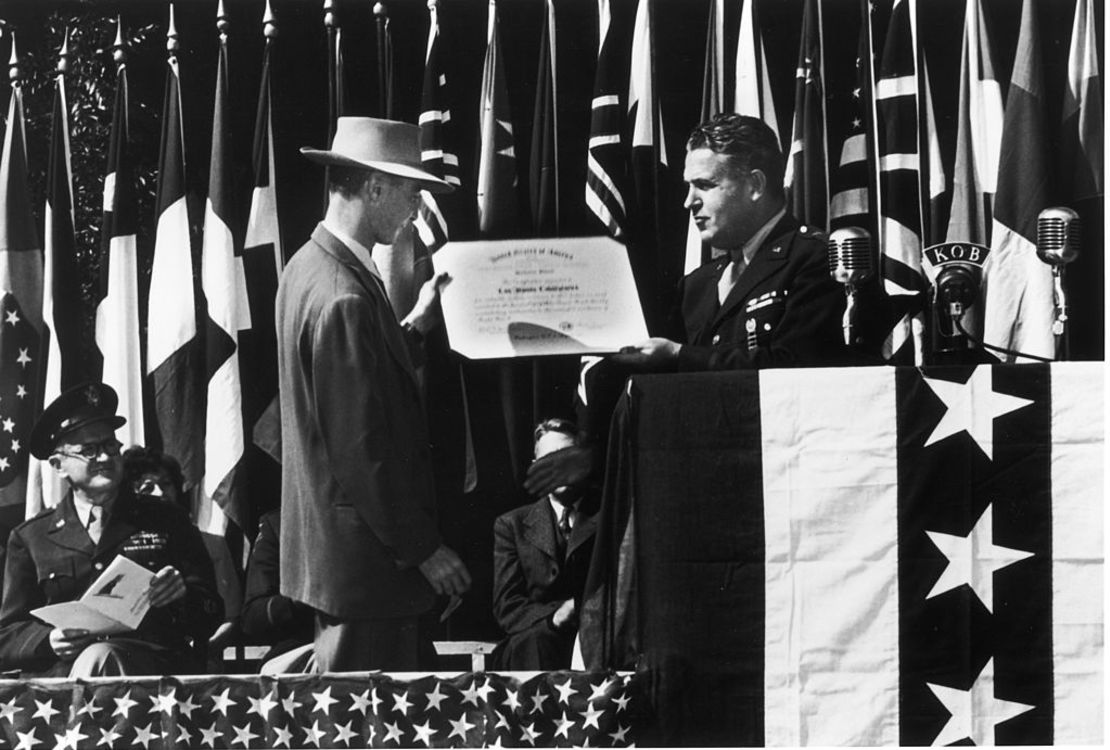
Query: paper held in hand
point(516, 298)
point(115, 603)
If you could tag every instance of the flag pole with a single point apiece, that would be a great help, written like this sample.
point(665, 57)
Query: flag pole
point(385, 63)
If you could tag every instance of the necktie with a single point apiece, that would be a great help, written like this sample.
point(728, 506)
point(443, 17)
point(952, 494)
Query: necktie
point(729, 277)
point(94, 526)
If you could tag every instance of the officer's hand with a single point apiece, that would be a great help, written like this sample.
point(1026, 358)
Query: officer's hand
point(652, 352)
point(422, 317)
point(565, 616)
point(562, 468)
point(166, 587)
point(68, 643)
point(446, 572)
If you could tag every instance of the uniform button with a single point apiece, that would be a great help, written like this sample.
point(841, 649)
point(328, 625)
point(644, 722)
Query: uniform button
point(717, 338)
point(98, 565)
point(52, 575)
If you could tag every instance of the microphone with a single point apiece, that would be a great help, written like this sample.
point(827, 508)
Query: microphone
point(850, 264)
point(850, 259)
point(1058, 230)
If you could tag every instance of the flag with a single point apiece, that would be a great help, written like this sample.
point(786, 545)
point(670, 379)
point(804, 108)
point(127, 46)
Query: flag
point(543, 176)
point(1017, 286)
point(350, 710)
point(807, 173)
point(606, 165)
point(438, 153)
point(117, 312)
point(174, 357)
point(900, 204)
point(61, 291)
point(978, 136)
point(496, 189)
point(903, 556)
point(934, 184)
point(753, 82)
point(649, 152)
point(853, 179)
point(263, 258)
point(712, 103)
point(21, 292)
point(224, 285)
point(1082, 133)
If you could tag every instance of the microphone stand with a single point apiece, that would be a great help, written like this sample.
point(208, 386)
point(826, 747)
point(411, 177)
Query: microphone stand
point(1059, 326)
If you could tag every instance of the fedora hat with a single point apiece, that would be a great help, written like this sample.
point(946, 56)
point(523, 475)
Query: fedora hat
point(385, 145)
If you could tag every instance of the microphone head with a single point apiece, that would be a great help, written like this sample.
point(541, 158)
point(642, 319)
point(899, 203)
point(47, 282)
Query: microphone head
point(850, 259)
point(1058, 230)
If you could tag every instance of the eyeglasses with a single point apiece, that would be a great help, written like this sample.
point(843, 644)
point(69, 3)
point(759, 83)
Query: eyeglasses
point(91, 451)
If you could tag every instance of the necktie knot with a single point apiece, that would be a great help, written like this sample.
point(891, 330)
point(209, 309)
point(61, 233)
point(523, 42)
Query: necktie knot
point(729, 277)
point(94, 525)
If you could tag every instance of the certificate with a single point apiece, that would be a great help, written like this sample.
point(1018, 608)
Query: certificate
point(517, 298)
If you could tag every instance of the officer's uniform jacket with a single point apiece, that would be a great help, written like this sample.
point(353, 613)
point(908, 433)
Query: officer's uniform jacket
point(784, 310)
point(51, 559)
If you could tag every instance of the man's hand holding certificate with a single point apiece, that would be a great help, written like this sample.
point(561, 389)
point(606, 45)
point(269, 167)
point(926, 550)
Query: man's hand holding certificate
point(515, 298)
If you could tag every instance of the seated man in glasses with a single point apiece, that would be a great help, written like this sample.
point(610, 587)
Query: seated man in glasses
point(56, 555)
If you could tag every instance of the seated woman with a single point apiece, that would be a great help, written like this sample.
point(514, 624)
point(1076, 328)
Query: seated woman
point(153, 474)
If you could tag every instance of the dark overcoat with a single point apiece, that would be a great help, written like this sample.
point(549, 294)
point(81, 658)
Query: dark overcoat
point(358, 502)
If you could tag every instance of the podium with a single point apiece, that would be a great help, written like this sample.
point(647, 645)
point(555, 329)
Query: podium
point(858, 556)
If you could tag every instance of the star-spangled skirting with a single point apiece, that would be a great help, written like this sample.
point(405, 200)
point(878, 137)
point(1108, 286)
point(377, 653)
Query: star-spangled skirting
point(551, 709)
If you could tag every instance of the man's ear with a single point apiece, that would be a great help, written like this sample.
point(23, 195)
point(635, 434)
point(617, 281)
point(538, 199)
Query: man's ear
point(374, 185)
point(56, 463)
point(758, 180)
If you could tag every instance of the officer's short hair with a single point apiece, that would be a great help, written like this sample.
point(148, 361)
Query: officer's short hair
point(562, 426)
point(346, 181)
point(748, 140)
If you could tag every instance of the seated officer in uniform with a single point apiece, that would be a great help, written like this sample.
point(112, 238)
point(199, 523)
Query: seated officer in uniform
point(768, 302)
point(56, 555)
point(541, 555)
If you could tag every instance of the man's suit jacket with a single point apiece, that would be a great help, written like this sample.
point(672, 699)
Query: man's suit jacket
point(784, 311)
point(51, 559)
point(358, 503)
point(530, 578)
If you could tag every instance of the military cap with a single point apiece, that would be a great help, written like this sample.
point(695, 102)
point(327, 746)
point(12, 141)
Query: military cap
point(81, 405)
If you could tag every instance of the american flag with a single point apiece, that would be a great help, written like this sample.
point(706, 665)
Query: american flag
point(20, 306)
point(901, 220)
point(851, 180)
point(555, 709)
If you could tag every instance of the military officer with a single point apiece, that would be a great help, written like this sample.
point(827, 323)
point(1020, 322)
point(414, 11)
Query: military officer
point(56, 555)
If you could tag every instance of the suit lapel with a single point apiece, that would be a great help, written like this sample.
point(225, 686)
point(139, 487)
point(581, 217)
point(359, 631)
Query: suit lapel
point(331, 245)
point(582, 532)
point(768, 259)
point(539, 529)
point(67, 530)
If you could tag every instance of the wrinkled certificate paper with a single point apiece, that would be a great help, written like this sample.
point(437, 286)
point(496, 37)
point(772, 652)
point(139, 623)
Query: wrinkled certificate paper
point(519, 298)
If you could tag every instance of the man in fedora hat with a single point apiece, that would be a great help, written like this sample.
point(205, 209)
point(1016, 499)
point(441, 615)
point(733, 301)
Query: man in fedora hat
point(56, 555)
point(359, 539)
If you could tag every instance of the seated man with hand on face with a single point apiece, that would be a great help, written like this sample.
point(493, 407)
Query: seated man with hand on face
point(55, 556)
point(541, 555)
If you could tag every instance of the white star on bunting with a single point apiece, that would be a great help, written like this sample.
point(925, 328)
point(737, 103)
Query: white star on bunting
point(401, 703)
point(424, 733)
point(460, 727)
point(45, 710)
point(344, 734)
point(973, 559)
point(222, 702)
point(324, 701)
point(972, 407)
point(565, 691)
point(435, 698)
point(976, 712)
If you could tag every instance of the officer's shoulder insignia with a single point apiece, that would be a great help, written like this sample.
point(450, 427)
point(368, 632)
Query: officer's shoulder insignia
point(776, 250)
